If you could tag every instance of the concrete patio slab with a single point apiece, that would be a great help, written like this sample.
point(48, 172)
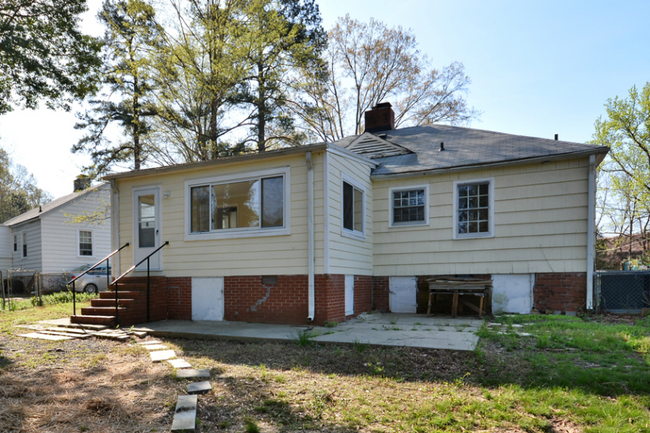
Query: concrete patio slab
point(411, 330)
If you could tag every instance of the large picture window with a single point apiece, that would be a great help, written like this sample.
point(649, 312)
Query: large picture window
point(409, 206)
point(473, 209)
point(353, 208)
point(241, 205)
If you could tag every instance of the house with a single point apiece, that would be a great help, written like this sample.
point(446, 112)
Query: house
point(49, 240)
point(323, 232)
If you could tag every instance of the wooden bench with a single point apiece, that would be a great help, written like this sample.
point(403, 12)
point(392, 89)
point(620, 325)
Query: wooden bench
point(459, 287)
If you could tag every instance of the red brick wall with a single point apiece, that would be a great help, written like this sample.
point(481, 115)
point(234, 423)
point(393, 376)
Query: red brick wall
point(137, 312)
point(380, 287)
point(560, 291)
point(362, 294)
point(179, 298)
point(248, 300)
point(330, 298)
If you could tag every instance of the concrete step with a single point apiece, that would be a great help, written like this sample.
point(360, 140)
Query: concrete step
point(108, 321)
point(101, 311)
point(85, 326)
point(121, 294)
point(111, 302)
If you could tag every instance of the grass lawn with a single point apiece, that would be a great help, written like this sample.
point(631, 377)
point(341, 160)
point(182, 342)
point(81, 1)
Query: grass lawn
point(568, 375)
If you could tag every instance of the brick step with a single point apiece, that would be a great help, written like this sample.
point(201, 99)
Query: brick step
point(121, 295)
point(93, 320)
point(111, 302)
point(102, 311)
point(135, 287)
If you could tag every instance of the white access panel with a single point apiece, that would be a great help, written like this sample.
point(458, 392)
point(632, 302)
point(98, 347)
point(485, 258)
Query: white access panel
point(349, 295)
point(512, 293)
point(403, 294)
point(207, 299)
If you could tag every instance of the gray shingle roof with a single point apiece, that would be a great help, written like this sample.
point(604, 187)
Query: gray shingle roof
point(465, 147)
point(42, 210)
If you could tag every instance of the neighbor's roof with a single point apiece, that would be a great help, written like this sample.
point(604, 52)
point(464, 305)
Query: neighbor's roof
point(464, 148)
point(54, 204)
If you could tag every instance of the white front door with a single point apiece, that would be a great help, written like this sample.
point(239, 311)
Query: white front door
point(403, 294)
point(349, 295)
point(146, 227)
point(207, 299)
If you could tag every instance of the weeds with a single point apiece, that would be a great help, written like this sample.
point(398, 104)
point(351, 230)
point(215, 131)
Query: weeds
point(331, 324)
point(304, 338)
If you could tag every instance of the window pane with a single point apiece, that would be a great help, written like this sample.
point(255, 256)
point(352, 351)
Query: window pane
point(236, 205)
point(85, 243)
point(358, 210)
point(462, 228)
point(200, 209)
point(462, 190)
point(273, 202)
point(483, 201)
point(483, 189)
point(473, 202)
point(348, 206)
point(483, 227)
point(462, 216)
point(146, 221)
point(473, 227)
point(483, 214)
point(473, 215)
point(462, 203)
point(473, 208)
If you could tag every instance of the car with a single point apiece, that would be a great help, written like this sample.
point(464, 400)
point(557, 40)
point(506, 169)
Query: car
point(91, 282)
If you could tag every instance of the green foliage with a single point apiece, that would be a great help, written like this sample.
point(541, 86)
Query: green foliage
point(18, 190)
point(43, 55)
point(304, 338)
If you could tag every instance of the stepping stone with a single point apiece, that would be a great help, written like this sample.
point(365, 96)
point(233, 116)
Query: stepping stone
point(162, 355)
point(118, 337)
point(185, 415)
point(145, 343)
point(71, 331)
point(139, 334)
point(179, 363)
point(83, 326)
point(199, 387)
point(190, 373)
point(45, 336)
point(155, 347)
point(64, 334)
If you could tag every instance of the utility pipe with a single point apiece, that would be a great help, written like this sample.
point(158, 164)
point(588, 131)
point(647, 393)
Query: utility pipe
point(591, 231)
point(115, 222)
point(310, 232)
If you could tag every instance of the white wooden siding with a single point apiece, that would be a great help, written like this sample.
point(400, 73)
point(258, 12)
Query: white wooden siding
point(6, 249)
point(349, 255)
point(60, 234)
point(265, 255)
point(540, 224)
point(33, 260)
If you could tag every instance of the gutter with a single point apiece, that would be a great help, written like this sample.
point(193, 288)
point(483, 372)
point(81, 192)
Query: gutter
point(601, 155)
point(115, 222)
point(591, 231)
point(310, 230)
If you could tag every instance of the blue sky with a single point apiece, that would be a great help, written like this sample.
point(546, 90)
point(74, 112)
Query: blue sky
point(538, 68)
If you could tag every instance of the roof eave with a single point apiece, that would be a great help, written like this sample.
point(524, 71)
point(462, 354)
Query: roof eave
point(218, 162)
point(600, 152)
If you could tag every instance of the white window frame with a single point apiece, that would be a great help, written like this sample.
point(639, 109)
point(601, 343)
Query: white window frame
point(391, 202)
point(23, 246)
point(92, 242)
point(354, 234)
point(240, 232)
point(490, 233)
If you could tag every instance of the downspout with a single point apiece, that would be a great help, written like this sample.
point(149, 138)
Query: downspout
point(115, 223)
point(591, 231)
point(310, 232)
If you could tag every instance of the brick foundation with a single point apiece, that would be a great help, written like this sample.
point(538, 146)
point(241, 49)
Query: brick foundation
point(560, 291)
point(380, 288)
point(179, 298)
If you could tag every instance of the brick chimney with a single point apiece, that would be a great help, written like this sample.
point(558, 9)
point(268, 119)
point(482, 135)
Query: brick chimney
point(380, 118)
point(81, 182)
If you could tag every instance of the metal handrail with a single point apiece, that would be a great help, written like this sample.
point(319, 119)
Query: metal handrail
point(105, 259)
point(131, 269)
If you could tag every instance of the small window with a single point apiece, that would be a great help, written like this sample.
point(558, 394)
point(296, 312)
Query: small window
point(24, 244)
point(409, 206)
point(85, 243)
point(473, 209)
point(353, 203)
point(15, 243)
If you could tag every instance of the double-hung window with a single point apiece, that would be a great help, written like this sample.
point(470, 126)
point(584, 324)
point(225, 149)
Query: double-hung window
point(24, 244)
point(222, 207)
point(15, 243)
point(409, 206)
point(474, 209)
point(85, 243)
point(353, 207)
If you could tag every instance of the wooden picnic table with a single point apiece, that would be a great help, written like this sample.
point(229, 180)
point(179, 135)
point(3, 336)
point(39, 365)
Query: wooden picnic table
point(459, 287)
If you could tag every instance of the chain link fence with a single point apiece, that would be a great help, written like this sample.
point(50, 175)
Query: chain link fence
point(623, 291)
point(19, 284)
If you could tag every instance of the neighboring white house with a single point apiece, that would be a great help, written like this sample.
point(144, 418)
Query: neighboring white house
point(47, 239)
point(326, 231)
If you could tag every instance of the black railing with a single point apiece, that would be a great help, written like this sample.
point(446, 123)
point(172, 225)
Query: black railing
point(108, 276)
point(131, 269)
